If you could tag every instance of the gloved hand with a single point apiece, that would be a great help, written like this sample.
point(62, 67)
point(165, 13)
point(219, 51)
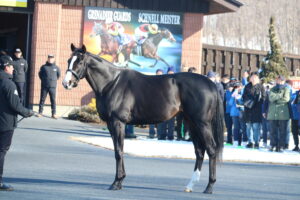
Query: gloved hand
point(31, 113)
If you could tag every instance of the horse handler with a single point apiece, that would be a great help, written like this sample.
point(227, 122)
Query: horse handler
point(10, 107)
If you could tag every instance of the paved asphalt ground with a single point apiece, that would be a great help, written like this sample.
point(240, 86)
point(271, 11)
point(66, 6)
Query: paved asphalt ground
point(44, 164)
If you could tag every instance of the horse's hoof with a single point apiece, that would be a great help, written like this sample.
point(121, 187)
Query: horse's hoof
point(115, 187)
point(188, 190)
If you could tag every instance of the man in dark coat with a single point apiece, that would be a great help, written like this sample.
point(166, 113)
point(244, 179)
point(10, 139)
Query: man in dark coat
point(20, 69)
point(49, 74)
point(255, 92)
point(10, 107)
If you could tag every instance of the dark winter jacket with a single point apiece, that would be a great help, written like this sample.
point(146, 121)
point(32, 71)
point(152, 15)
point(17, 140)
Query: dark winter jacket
point(49, 74)
point(257, 93)
point(279, 103)
point(10, 105)
point(220, 89)
point(20, 69)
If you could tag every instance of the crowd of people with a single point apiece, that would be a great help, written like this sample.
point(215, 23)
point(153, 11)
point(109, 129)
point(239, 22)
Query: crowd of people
point(254, 113)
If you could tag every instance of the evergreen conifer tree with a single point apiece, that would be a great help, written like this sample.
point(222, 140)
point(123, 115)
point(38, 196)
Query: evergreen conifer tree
point(273, 65)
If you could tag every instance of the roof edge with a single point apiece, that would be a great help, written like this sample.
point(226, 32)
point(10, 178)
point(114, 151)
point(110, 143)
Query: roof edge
point(223, 6)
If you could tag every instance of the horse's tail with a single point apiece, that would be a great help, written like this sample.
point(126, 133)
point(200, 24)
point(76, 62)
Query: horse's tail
point(218, 127)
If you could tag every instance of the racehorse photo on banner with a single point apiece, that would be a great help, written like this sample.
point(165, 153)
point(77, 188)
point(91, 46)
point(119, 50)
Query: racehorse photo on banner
point(141, 40)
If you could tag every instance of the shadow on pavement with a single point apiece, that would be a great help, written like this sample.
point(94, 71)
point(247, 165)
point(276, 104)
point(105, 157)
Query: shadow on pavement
point(71, 131)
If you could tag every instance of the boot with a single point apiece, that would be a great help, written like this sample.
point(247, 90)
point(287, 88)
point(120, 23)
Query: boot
point(249, 145)
point(5, 187)
point(54, 116)
point(296, 148)
point(271, 148)
point(256, 146)
point(279, 149)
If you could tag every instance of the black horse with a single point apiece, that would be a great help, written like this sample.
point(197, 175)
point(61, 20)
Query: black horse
point(125, 96)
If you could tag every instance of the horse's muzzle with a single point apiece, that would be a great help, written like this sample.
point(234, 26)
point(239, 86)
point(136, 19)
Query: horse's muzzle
point(70, 84)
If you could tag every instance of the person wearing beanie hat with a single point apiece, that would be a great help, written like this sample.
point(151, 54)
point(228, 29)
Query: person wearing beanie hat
point(6, 61)
point(278, 114)
point(211, 74)
point(159, 72)
point(20, 70)
point(10, 107)
point(170, 70)
point(49, 74)
point(214, 77)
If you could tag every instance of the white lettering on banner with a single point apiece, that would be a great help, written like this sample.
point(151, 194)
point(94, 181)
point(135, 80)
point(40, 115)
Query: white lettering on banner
point(100, 14)
point(159, 19)
point(109, 15)
point(148, 18)
point(122, 16)
point(170, 19)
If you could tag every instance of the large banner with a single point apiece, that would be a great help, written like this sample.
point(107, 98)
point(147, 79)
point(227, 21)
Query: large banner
point(14, 3)
point(141, 40)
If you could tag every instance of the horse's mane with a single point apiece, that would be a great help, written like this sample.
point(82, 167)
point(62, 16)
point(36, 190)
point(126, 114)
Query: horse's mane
point(116, 67)
point(103, 60)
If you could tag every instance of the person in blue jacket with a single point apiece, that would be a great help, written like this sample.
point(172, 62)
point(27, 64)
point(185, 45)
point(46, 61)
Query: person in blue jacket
point(228, 119)
point(236, 111)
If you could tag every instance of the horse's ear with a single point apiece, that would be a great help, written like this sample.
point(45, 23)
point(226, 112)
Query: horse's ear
point(73, 47)
point(83, 49)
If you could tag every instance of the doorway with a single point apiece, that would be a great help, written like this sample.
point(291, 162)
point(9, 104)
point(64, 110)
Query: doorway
point(15, 32)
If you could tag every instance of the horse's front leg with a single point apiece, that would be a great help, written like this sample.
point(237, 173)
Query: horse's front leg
point(116, 129)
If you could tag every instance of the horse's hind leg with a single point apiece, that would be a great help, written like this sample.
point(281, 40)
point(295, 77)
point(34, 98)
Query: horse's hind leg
point(202, 135)
point(116, 129)
point(210, 147)
point(199, 151)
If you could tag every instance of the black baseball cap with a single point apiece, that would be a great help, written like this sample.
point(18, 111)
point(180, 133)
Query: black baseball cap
point(50, 56)
point(5, 61)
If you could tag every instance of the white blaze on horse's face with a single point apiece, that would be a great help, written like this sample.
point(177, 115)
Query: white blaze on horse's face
point(67, 83)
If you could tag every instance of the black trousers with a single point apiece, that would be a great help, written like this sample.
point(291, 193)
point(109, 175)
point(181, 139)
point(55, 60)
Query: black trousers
point(278, 131)
point(5, 142)
point(295, 132)
point(44, 93)
point(21, 89)
point(228, 123)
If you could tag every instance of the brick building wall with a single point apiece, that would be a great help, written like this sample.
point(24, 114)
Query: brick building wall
point(192, 41)
point(56, 26)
